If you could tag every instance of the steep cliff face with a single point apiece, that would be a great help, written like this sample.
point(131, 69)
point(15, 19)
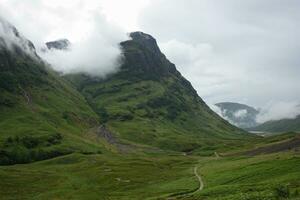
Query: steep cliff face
point(148, 101)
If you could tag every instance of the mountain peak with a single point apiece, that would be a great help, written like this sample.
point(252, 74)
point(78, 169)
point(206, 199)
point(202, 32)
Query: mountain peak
point(142, 37)
point(144, 58)
point(145, 40)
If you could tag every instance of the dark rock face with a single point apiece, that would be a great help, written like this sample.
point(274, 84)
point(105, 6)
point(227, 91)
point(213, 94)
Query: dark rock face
point(62, 44)
point(144, 58)
point(146, 40)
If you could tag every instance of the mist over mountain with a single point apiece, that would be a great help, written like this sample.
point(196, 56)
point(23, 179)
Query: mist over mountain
point(11, 39)
point(240, 115)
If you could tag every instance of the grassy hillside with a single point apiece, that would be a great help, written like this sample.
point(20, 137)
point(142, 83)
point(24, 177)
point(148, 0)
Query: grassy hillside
point(106, 176)
point(282, 125)
point(271, 176)
point(41, 116)
point(149, 102)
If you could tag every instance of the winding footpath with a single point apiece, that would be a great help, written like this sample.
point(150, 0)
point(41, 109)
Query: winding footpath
point(201, 184)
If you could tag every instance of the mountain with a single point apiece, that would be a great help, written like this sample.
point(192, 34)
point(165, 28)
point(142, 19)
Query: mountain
point(241, 115)
point(42, 116)
point(276, 126)
point(149, 102)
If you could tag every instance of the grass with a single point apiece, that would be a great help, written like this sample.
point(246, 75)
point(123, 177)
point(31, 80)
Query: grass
point(153, 176)
point(107, 176)
point(250, 177)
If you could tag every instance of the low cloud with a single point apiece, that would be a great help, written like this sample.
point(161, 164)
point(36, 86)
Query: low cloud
point(98, 54)
point(240, 114)
point(95, 41)
point(10, 38)
point(279, 110)
point(221, 113)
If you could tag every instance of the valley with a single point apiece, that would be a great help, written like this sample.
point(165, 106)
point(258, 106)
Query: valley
point(155, 176)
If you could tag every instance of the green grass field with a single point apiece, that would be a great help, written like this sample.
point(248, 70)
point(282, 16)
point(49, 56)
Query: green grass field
point(108, 176)
point(155, 176)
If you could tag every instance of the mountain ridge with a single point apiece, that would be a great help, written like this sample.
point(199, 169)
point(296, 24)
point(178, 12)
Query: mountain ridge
point(277, 126)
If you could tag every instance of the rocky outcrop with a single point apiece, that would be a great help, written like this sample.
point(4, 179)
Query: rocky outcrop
point(62, 44)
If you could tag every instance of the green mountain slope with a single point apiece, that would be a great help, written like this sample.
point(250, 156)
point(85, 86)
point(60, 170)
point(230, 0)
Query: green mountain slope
point(241, 115)
point(282, 125)
point(148, 101)
point(41, 115)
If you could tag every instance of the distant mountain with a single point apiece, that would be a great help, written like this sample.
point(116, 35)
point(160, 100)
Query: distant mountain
point(240, 115)
point(148, 101)
point(283, 125)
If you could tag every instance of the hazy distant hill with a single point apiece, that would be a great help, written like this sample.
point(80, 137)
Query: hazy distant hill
point(283, 125)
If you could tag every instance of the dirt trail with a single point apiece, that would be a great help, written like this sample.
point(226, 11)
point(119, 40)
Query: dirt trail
point(201, 184)
point(217, 155)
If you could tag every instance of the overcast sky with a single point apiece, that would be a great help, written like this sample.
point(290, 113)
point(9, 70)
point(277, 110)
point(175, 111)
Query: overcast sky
point(241, 51)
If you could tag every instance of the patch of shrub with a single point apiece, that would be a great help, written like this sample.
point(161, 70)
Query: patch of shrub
point(30, 142)
point(103, 114)
point(8, 81)
point(282, 192)
point(28, 148)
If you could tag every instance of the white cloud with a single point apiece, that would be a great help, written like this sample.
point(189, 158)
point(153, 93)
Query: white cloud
point(221, 113)
point(98, 54)
point(95, 48)
point(240, 114)
point(279, 110)
point(11, 38)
